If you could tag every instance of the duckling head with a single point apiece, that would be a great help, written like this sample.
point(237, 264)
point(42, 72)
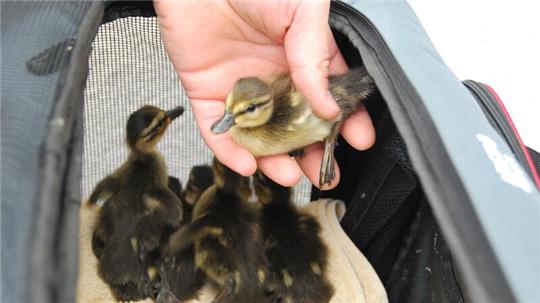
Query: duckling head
point(268, 191)
point(229, 181)
point(201, 177)
point(249, 104)
point(146, 126)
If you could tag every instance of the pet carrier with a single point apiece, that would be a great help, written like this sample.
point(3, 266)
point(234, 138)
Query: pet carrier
point(445, 206)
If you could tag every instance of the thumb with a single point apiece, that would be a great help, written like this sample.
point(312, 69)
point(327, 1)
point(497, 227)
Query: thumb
point(307, 47)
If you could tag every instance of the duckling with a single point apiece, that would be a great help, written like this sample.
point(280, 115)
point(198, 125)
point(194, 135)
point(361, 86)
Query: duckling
point(139, 210)
point(273, 117)
point(293, 245)
point(228, 242)
point(200, 178)
point(102, 232)
point(180, 278)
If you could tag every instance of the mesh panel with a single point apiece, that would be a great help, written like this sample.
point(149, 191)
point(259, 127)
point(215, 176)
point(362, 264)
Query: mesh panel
point(384, 246)
point(387, 201)
point(128, 68)
point(423, 270)
point(395, 148)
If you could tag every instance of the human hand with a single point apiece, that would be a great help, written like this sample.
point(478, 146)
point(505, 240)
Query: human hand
point(213, 43)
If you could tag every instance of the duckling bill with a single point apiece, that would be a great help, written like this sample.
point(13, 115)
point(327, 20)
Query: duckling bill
point(272, 117)
point(139, 210)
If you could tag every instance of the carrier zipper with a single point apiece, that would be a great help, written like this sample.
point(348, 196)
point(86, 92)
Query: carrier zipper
point(500, 120)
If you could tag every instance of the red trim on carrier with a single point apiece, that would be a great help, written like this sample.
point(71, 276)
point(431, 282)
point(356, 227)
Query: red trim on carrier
point(525, 151)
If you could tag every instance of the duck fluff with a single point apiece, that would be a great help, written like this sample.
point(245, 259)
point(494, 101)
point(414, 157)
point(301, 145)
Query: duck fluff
point(272, 117)
point(139, 209)
point(228, 241)
point(293, 245)
point(181, 280)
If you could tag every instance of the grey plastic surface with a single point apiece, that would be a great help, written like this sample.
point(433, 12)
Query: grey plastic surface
point(26, 106)
point(503, 196)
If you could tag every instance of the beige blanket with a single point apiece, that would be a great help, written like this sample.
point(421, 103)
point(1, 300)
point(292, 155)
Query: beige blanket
point(354, 280)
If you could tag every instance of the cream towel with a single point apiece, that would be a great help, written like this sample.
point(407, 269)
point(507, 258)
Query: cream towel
point(354, 280)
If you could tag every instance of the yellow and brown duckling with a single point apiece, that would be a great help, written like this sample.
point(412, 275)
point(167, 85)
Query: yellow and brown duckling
point(139, 212)
point(272, 117)
point(228, 241)
point(296, 253)
point(181, 280)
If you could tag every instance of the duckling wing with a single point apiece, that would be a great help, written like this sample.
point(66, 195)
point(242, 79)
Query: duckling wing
point(164, 204)
point(119, 263)
point(162, 213)
point(104, 189)
point(187, 234)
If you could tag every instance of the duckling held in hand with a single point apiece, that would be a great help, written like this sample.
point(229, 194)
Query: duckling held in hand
point(273, 117)
point(293, 245)
point(180, 278)
point(139, 211)
point(228, 241)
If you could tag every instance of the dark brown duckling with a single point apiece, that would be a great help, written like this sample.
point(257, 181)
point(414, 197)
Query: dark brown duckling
point(180, 279)
point(200, 178)
point(102, 232)
point(293, 246)
point(175, 186)
point(228, 241)
point(272, 117)
point(139, 211)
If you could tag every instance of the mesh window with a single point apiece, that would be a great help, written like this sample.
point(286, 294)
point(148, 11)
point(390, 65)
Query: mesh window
point(129, 68)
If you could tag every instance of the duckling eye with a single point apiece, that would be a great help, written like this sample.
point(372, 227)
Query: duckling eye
point(251, 108)
point(160, 123)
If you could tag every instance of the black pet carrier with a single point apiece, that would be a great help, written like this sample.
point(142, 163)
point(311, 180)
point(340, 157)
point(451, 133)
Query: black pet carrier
point(445, 206)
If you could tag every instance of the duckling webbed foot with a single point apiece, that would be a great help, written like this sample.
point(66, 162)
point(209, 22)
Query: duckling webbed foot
point(165, 294)
point(328, 171)
point(146, 288)
point(226, 290)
